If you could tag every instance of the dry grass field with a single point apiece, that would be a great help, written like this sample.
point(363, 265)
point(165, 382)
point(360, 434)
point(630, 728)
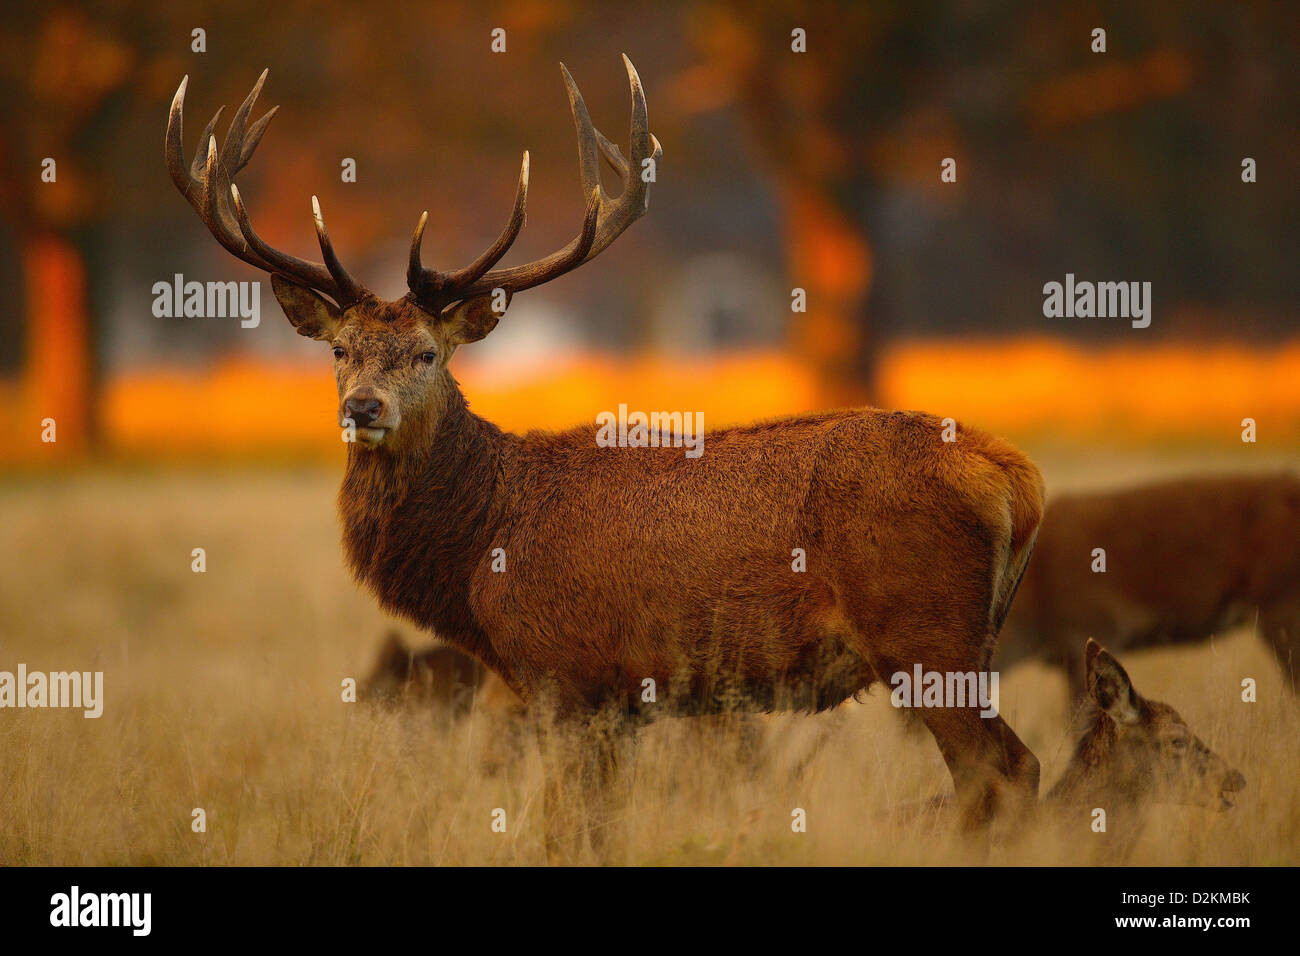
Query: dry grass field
point(223, 691)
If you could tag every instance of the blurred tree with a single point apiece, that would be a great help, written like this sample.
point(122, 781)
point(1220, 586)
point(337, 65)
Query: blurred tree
point(805, 108)
point(1102, 164)
point(60, 73)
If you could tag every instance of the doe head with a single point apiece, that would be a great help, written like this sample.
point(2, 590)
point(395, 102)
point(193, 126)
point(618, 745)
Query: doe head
point(1153, 754)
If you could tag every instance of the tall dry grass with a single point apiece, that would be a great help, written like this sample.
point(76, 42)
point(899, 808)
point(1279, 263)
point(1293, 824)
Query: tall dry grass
point(223, 691)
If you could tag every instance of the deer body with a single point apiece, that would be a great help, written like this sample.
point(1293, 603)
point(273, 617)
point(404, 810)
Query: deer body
point(627, 564)
point(441, 675)
point(1185, 560)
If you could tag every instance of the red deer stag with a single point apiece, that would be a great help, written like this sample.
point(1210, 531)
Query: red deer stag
point(1185, 559)
point(631, 565)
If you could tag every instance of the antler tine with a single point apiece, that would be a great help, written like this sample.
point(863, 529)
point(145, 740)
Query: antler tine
point(211, 211)
point(472, 272)
point(173, 152)
point(233, 147)
point(201, 151)
point(208, 205)
point(416, 275)
point(206, 185)
point(606, 218)
point(588, 162)
point(253, 137)
point(613, 155)
point(348, 286)
point(642, 145)
point(639, 135)
point(430, 282)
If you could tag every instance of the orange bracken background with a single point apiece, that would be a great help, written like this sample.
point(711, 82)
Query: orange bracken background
point(1023, 387)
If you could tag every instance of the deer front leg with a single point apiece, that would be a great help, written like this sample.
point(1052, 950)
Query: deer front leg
point(582, 796)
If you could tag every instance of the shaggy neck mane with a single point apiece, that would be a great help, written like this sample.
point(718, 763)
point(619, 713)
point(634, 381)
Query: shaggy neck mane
point(418, 519)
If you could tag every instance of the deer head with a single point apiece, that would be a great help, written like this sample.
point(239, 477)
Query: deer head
point(1141, 750)
point(391, 356)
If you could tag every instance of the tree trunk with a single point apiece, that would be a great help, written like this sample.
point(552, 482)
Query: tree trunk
point(57, 368)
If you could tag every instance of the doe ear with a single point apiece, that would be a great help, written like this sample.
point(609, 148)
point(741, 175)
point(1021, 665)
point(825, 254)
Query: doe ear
point(470, 320)
point(1110, 686)
point(310, 314)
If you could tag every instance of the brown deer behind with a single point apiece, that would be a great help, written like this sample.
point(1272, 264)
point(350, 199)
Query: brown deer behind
point(1185, 560)
point(451, 685)
point(791, 565)
point(439, 676)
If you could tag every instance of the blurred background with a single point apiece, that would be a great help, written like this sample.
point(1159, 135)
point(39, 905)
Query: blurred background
point(818, 170)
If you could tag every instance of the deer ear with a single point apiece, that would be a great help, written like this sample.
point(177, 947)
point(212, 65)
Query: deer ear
point(1110, 687)
point(310, 314)
point(472, 319)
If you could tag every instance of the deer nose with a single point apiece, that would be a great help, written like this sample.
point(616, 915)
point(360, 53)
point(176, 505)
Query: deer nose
point(363, 409)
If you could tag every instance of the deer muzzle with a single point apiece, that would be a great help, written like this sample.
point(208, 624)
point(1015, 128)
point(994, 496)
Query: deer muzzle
point(371, 415)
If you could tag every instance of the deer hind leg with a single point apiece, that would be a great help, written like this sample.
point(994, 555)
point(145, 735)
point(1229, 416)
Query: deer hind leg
point(992, 771)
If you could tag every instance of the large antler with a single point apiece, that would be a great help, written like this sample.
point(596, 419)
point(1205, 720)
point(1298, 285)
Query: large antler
point(605, 218)
point(208, 187)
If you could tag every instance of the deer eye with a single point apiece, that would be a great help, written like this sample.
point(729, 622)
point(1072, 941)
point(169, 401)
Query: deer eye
point(428, 358)
point(338, 352)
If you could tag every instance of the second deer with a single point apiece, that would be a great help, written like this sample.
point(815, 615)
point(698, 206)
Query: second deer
point(1185, 560)
point(1135, 754)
